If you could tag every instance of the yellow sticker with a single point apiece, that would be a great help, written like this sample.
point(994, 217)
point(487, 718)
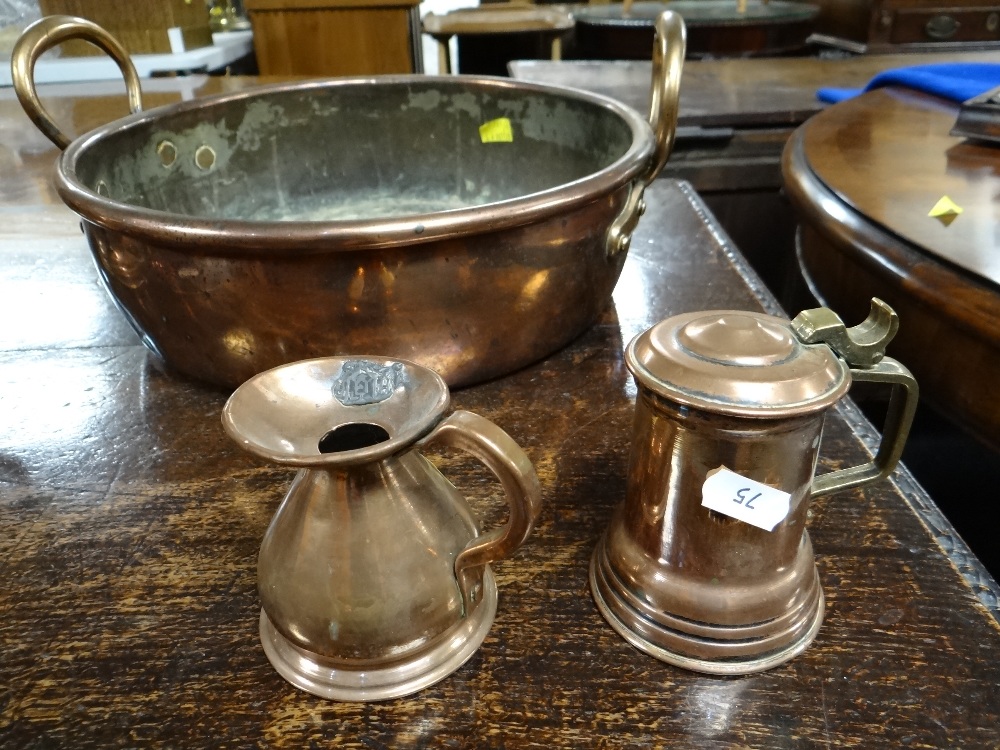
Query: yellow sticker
point(945, 207)
point(496, 131)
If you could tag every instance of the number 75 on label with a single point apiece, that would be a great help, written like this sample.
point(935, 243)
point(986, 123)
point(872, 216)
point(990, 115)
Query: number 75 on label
point(745, 499)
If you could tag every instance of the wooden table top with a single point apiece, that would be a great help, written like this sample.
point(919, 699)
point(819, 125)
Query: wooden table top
point(733, 92)
point(863, 176)
point(129, 528)
point(889, 156)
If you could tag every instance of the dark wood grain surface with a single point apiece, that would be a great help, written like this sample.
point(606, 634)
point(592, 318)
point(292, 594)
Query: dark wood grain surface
point(763, 92)
point(889, 156)
point(907, 25)
point(129, 527)
point(863, 176)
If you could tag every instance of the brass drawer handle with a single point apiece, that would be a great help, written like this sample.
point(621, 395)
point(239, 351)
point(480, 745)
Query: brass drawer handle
point(942, 27)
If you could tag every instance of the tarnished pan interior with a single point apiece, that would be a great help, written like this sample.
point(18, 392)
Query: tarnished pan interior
point(335, 153)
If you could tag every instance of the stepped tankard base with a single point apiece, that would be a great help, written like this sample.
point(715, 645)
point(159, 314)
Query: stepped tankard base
point(706, 647)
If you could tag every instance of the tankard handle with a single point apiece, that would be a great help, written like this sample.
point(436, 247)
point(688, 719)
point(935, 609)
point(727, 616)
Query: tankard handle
point(502, 456)
point(902, 408)
point(46, 33)
point(862, 348)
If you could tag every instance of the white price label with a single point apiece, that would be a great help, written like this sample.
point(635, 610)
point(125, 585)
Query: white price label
point(736, 496)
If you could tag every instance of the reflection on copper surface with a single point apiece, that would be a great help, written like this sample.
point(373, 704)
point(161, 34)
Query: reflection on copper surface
point(239, 342)
point(630, 295)
point(534, 288)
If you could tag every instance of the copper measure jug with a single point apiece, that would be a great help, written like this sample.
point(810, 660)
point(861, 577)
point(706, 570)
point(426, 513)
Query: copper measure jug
point(707, 563)
point(373, 575)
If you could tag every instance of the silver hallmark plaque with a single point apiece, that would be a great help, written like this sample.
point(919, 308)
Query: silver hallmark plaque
point(362, 382)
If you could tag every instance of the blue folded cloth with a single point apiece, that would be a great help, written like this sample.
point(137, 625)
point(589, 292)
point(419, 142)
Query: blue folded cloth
point(954, 81)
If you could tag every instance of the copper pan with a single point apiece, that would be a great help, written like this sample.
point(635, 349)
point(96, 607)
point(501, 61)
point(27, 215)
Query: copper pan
point(393, 215)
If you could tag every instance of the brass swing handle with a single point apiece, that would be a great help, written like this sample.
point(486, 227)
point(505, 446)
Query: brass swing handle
point(669, 49)
point(46, 33)
point(505, 459)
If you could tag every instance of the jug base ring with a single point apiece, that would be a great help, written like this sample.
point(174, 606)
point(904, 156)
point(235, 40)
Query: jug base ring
point(767, 659)
point(309, 672)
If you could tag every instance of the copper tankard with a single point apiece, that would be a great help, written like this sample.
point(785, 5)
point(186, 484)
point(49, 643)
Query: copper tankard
point(707, 564)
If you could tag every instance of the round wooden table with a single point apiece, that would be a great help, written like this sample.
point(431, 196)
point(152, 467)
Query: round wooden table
point(864, 176)
point(715, 28)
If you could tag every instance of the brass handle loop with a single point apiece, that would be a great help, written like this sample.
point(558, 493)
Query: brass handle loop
point(665, 93)
point(502, 456)
point(46, 33)
point(899, 418)
point(669, 49)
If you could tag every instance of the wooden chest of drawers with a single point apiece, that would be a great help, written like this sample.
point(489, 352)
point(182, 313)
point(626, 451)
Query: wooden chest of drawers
point(336, 37)
point(905, 25)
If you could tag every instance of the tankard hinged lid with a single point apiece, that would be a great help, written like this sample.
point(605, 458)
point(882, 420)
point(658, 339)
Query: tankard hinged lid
point(737, 363)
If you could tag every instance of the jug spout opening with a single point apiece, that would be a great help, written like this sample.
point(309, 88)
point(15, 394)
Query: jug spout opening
point(352, 436)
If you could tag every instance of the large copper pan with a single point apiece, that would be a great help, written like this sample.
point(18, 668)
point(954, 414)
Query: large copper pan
point(376, 215)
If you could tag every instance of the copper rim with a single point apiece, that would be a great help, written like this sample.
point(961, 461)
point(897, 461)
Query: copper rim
point(263, 237)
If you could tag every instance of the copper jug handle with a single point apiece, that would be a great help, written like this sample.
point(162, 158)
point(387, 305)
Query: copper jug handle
point(505, 459)
point(46, 33)
point(863, 349)
point(669, 49)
